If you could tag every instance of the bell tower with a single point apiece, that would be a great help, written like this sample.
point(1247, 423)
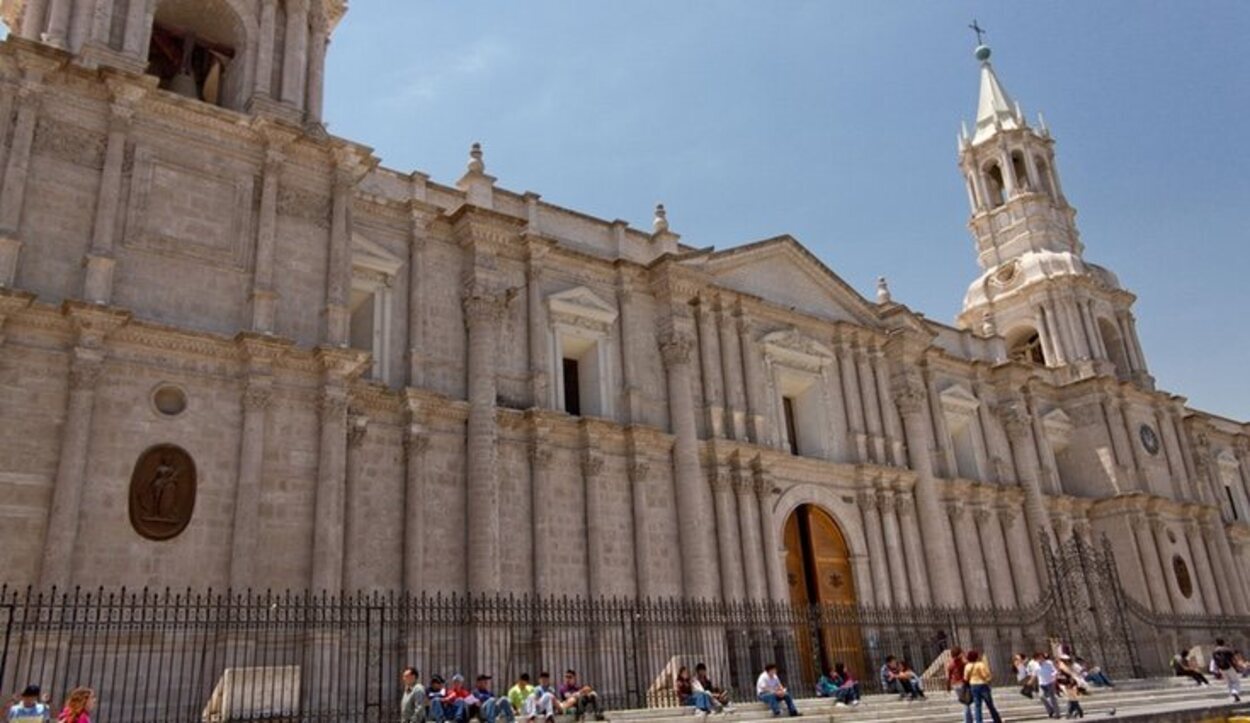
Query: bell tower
point(1053, 307)
point(256, 56)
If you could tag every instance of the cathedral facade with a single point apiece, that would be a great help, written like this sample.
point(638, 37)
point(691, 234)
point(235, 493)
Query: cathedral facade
point(237, 351)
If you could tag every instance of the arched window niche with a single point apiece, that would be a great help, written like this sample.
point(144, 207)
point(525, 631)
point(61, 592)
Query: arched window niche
point(198, 50)
point(1025, 346)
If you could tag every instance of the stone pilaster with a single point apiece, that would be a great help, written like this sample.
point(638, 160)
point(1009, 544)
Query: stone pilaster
point(329, 509)
point(872, 408)
point(91, 327)
point(1159, 530)
point(914, 549)
point(483, 310)
point(544, 517)
point(909, 395)
point(890, 422)
point(996, 552)
point(295, 59)
point(1020, 545)
point(732, 572)
point(257, 395)
point(749, 532)
point(698, 542)
point(774, 562)
point(731, 354)
point(16, 173)
point(264, 297)
point(1211, 599)
point(1016, 422)
point(263, 85)
point(880, 560)
point(894, 548)
point(537, 328)
point(710, 357)
point(971, 563)
point(592, 482)
point(1149, 554)
point(416, 462)
point(419, 219)
point(353, 491)
point(98, 278)
point(1231, 579)
point(318, 43)
point(754, 372)
point(339, 274)
point(850, 393)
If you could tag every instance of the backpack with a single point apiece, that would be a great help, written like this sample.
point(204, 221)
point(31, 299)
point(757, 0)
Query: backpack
point(1223, 658)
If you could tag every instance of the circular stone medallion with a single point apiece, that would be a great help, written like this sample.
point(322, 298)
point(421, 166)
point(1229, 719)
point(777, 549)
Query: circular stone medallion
point(162, 492)
point(1149, 439)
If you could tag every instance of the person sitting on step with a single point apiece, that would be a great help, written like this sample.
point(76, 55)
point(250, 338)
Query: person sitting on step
point(578, 698)
point(1185, 668)
point(686, 694)
point(720, 696)
point(769, 689)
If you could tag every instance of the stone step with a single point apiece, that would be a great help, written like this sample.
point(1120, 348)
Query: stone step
point(1132, 696)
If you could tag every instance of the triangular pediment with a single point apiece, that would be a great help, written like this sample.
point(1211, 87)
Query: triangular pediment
point(371, 255)
point(797, 348)
point(957, 398)
point(781, 271)
point(581, 302)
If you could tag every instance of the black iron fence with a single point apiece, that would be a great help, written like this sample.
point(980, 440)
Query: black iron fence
point(185, 656)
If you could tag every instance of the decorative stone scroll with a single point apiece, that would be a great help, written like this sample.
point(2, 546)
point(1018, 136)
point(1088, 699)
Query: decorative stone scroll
point(162, 492)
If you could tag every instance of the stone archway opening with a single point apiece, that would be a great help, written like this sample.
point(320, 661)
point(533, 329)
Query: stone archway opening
point(820, 573)
point(197, 49)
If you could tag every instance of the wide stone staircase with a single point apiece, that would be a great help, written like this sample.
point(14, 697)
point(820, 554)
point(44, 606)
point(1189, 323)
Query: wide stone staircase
point(1167, 699)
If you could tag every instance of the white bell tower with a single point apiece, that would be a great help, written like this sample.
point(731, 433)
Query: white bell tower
point(1052, 306)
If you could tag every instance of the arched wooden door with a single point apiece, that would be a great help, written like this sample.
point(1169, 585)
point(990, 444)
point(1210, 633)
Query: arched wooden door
point(818, 566)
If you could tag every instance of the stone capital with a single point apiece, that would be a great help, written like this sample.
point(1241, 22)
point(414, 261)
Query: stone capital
point(909, 393)
point(592, 464)
point(357, 426)
point(257, 394)
point(867, 500)
point(639, 470)
point(416, 441)
point(482, 306)
point(1014, 416)
point(675, 348)
point(333, 403)
point(905, 503)
point(1158, 525)
point(1007, 516)
point(540, 456)
point(956, 512)
point(85, 369)
point(981, 515)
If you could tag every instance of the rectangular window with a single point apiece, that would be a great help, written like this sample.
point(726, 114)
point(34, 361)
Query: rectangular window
point(572, 388)
point(792, 430)
point(363, 327)
point(1232, 503)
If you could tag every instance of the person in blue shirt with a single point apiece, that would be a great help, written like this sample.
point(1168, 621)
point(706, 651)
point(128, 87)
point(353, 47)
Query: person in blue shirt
point(28, 709)
point(488, 706)
point(436, 693)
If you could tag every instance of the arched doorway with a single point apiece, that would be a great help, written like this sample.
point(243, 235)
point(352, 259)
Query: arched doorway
point(819, 570)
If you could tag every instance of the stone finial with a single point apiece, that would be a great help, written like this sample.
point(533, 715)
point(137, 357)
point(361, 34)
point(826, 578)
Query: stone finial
point(660, 224)
point(476, 164)
point(988, 328)
point(883, 291)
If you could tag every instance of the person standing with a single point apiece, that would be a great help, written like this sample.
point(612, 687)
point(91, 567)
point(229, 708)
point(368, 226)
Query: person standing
point(977, 676)
point(412, 704)
point(1224, 659)
point(29, 709)
point(78, 706)
point(1043, 671)
point(956, 682)
point(768, 689)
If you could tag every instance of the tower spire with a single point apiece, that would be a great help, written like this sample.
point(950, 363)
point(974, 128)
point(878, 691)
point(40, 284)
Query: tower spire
point(995, 109)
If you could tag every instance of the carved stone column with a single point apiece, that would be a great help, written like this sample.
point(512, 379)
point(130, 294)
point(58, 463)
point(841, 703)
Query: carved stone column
point(264, 297)
point(58, 24)
point(1232, 580)
point(894, 549)
point(592, 483)
point(257, 394)
point(33, 19)
point(545, 518)
point(1202, 568)
point(731, 353)
point(416, 451)
point(1015, 419)
point(16, 173)
point(850, 393)
point(774, 562)
point(939, 548)
point(419, 219)
point(329, 512)
point(710, 356)
point(1020, 544)
point(1160, 530)
point(749, 533)
point(318, 42)
point(878, 559)
point(913, 547)
point(996, 554)
point(357, 430)
point(98, 279)
point(872, 409)
point(971, 563)
point(1160, 601)
point(87, 356)
point(265, 48)
point(536, 328)
point(754, 385)
point(138, 29)
point(890, 421)
point(295, 59)
point(732, 572)
point(338, 277)
point(483, 311)
point(698, 542)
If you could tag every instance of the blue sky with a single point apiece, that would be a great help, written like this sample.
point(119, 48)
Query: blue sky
point(836, 122)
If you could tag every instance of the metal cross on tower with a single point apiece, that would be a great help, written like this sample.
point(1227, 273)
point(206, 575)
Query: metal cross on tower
point(978, 30)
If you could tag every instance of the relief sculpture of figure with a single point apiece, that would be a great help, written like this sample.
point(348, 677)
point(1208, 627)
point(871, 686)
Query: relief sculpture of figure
point(162, 492)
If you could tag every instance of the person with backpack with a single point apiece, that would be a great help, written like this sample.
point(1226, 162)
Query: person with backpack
point(1223, 657)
